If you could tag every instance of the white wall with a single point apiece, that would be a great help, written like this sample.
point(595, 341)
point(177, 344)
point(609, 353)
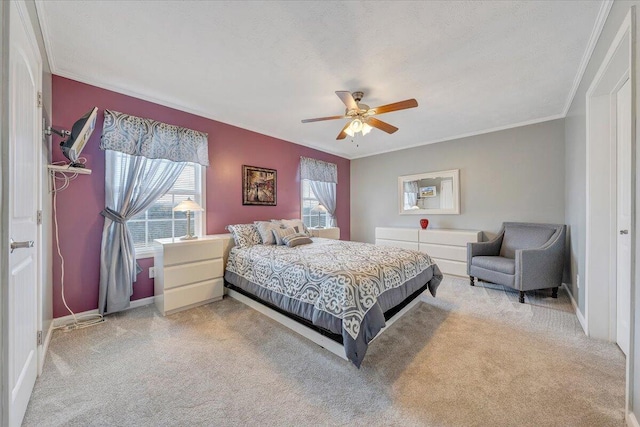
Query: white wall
point(575, 191)
point(510, 175)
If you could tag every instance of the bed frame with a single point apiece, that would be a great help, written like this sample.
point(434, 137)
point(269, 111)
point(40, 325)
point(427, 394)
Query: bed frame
point(320, 336)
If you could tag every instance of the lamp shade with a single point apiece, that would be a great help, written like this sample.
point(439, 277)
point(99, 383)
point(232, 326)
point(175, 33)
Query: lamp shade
point(319, 208)
point(187, 205)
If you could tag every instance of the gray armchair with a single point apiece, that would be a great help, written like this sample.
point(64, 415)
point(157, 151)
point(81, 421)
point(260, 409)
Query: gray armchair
point(523, 256)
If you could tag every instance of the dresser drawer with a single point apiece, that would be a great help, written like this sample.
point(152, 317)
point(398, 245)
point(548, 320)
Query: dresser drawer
point(184, 274)
point(456, 268)
point(449, 237)
point(192, 251)
point(455, 253)
point(196, 293)
point(404, 234)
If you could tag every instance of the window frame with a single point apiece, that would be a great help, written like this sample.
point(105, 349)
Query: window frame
point(199, 221)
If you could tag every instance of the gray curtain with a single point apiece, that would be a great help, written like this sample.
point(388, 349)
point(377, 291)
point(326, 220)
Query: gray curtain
point(131, 186)
point(326, 194)
point(411, 191)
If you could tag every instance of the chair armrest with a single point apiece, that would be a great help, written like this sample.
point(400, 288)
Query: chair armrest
point(542, 267)
point(490, 248)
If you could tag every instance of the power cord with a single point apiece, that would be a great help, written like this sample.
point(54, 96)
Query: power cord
point(86, 320)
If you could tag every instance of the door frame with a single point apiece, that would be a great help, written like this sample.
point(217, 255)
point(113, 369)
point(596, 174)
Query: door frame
point(601, 176)
point(4, 200)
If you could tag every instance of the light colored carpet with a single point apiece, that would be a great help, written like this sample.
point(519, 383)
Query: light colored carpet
point(472, 356)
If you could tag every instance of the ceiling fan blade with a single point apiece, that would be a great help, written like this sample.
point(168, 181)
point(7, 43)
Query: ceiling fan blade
point(346, 97)
point(343, 134)
point(381, 125)
point(402, 105)
point(319, 119)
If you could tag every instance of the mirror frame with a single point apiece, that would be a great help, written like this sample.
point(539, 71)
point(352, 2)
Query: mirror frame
point(454, 173)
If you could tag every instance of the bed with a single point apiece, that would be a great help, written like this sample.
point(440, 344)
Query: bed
point(344, 291)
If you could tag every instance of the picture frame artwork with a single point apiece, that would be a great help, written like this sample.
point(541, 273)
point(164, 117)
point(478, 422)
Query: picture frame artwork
point(429, 191)
point(259, 186)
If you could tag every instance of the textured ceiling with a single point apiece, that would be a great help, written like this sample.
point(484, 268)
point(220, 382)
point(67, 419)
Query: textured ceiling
point(473, 66)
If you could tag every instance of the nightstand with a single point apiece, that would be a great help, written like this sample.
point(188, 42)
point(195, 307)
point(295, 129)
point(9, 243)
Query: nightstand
point(327, 233)
point(188, 272)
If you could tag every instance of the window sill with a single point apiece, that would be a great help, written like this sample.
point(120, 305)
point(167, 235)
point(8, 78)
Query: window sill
point(144, 253)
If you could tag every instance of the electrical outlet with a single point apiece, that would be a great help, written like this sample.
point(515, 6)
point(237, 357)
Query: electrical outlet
point(152, 272)
point(578, 281)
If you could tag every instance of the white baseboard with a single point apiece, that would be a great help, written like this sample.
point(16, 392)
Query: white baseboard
point(579, 315)
point(45, 347)
point(61, 321)
point(632, 421)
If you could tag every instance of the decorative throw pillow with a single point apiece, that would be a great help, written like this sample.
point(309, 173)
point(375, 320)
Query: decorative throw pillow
point(296, 239)
point(244, 234)
point(278, 223)
point(296, 223)
point(279, 233)
point(265, 229)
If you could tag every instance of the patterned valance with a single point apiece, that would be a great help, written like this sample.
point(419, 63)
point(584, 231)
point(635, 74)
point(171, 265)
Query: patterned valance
point(317, 170)
point(155, 140)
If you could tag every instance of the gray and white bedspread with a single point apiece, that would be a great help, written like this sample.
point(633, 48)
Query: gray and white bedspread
point(341, 286)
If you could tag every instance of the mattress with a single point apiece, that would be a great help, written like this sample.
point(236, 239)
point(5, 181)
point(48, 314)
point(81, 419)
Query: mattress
point(343, 287)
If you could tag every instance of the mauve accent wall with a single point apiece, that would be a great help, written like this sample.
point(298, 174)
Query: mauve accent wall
point(230, 147)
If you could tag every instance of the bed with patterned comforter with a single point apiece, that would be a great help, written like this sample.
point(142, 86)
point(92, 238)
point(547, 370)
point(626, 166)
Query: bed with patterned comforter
point(341, 286)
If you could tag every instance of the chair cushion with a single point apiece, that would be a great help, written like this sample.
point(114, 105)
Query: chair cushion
point(495, 263)
point(523, 237)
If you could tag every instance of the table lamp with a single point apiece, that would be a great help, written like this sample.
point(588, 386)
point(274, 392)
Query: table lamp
point(319, 209)
point(188, 206)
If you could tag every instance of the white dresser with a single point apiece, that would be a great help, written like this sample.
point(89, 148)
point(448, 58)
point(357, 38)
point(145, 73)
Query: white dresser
point(448, 248)
point(188, 273)
point(327, 233)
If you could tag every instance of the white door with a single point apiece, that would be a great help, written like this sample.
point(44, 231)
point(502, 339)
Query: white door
point(25, 77)
point(623, 253)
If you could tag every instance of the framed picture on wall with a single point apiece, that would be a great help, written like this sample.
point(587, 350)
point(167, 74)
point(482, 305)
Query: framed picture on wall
point(429, 191)
point(259, 186)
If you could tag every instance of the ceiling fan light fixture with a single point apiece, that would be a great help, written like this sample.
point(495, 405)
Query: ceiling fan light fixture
point(366, 128)
point(356, 125)
point(349, 132)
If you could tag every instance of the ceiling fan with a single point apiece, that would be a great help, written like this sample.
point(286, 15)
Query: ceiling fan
point(361, 114)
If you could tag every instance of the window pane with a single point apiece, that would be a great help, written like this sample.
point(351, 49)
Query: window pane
point(181, 227)
point(160, 230)
point(187, 179)
point(162, 208)
point(137, 232)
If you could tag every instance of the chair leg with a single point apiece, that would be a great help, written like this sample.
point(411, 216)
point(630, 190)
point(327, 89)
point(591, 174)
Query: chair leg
point(471, 281)
point(554, 292)
point(521, 297)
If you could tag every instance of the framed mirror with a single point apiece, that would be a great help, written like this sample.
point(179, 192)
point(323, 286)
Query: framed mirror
point(432, 193)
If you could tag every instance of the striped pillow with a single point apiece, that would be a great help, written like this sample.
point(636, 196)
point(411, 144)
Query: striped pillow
point(296, 239)
point(279, 233)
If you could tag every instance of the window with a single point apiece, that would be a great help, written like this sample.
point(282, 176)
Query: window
point(310, 217)
point(159, 220)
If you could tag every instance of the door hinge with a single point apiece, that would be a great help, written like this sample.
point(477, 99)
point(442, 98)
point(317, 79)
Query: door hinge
point(39, 217)
point(40, 338)
point(39, 100)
